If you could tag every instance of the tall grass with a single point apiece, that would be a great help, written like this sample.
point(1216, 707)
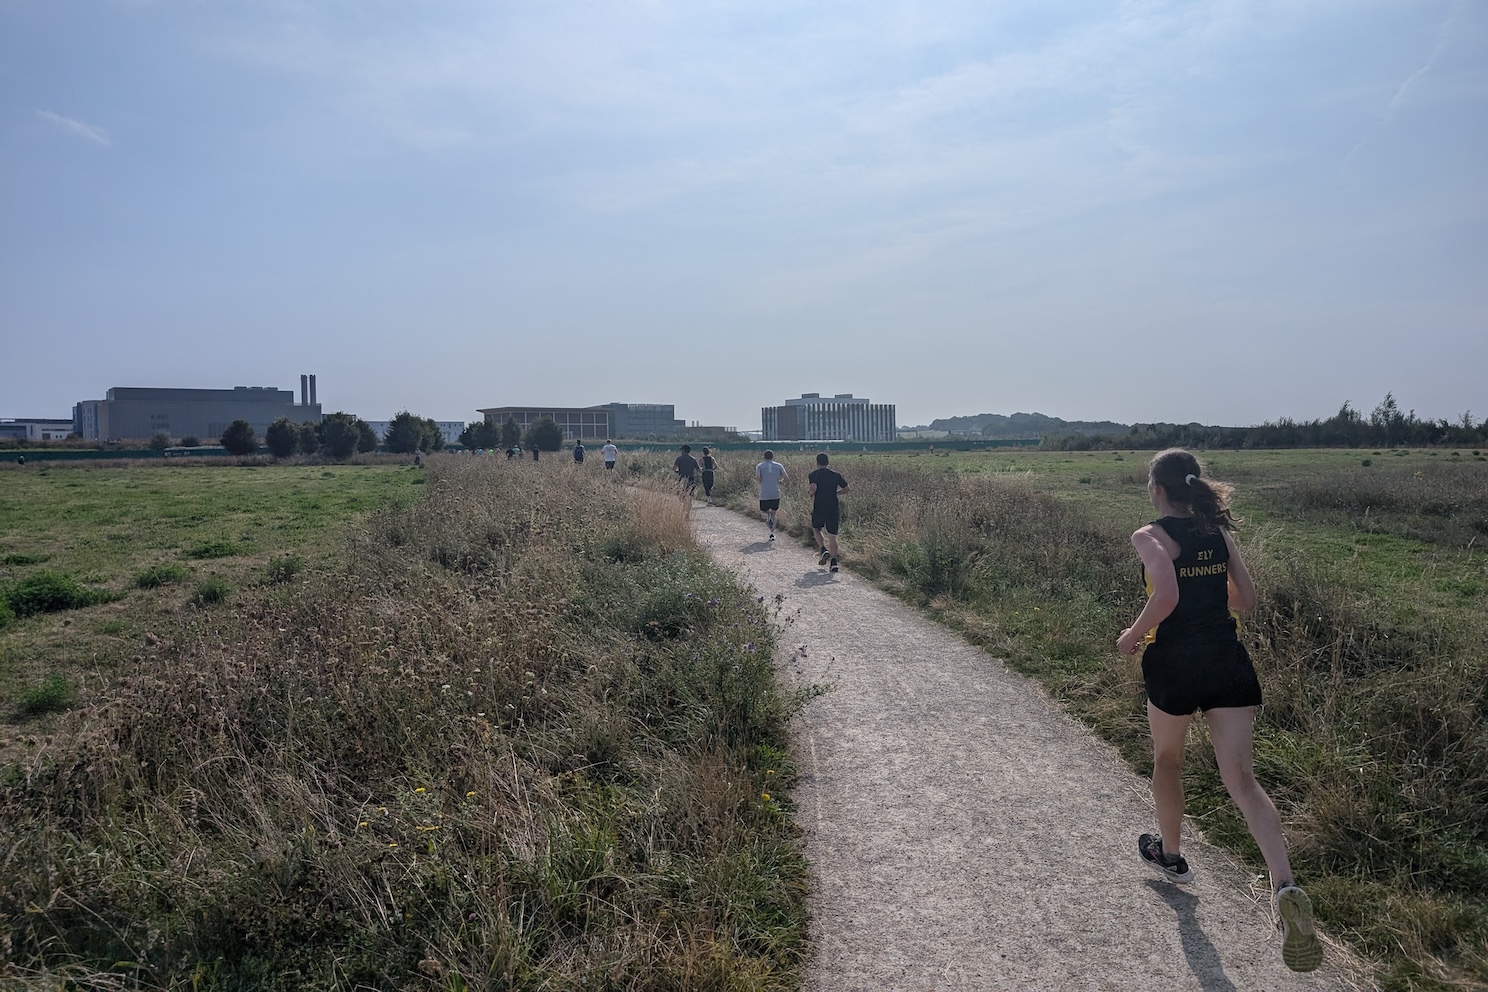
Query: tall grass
point(521, 739)
point(1372, 736)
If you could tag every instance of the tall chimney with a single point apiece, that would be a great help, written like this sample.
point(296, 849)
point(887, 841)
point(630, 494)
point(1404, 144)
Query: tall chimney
point(312, 390)
point(304, 390)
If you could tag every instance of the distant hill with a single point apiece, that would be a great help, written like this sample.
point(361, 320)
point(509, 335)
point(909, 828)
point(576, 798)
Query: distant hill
point(1023, 425)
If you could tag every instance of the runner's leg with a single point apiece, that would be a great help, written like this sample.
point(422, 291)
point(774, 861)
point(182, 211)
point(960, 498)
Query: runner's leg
point(1168, 735)
point(1232, 731)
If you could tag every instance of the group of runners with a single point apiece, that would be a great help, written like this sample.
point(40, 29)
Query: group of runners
point(824, 485)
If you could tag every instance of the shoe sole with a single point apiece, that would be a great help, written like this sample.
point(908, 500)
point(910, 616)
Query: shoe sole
point(1300, 949)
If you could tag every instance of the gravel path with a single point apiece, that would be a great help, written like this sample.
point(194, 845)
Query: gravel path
point(964, 833)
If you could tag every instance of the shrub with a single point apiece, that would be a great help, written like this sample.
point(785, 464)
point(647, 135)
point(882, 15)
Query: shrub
point(211, 590)
point(160, 575)
point(339, 435)
point(191, 441)
point(21, 558)
point(54, 694)
point(7, 615)
point(160, 441)
point(284, 568)
point(50, 592)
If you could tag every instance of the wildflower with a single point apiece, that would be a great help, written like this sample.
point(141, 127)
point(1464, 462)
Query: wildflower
point(469, 795)
point(419, 789)
point(363, 823)
point(765, 796)
point(392, 844)
point(769, 771)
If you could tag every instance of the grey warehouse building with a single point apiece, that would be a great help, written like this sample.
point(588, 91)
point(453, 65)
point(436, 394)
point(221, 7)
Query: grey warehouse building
point(843, 417)
point(608, 420)
point(138, 412)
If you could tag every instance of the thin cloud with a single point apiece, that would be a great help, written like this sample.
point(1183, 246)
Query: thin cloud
point(76, 128)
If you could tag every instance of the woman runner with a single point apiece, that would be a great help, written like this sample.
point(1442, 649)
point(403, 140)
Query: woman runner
point(1194, 661)
point(709, 462)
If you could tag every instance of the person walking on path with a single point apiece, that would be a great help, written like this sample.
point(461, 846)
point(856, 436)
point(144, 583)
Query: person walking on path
point(709, 463)
point(686, 468)
point(769, 474)
point(578, 451)
point(825, 485)
point(1193, 660)
point(609, 453)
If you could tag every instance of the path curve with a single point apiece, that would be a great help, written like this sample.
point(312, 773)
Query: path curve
point(963, 832)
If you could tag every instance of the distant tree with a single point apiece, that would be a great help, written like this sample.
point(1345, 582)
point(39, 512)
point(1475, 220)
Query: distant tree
point(282, 438)
point(481, 434)
point(544, 435)
point(309, 438)
point(405, 434)
point(433, 436)
point(367, 440)
point(239, 438)
point(191, 441)
point(160, 441)
point(510, 433)
point(339, 435)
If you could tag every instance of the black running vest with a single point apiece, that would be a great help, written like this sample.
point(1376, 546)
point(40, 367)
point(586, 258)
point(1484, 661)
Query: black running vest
point(1203, 570)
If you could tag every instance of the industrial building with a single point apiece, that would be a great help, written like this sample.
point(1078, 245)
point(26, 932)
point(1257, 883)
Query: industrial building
point(638, 421)
point(129, 412)
point(42, 429)
point(843, 417)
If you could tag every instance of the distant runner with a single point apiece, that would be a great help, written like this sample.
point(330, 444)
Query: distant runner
point(709, 463)
point(609, 453)
point(825, 485)
point(1194, 661)
point(770, 474)
point(686, 468)
point(578, 451)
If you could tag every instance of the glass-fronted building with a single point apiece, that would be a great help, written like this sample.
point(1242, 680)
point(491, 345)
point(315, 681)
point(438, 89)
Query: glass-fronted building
point(843, 417)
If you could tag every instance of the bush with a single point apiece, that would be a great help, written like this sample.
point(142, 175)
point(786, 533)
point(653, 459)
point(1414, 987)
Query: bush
point(339, 435)
point(53, 695)
point(309, 438)
point(160, 441)
point(211, 590)
point(239, 438)
point(191, 441)
point(160, 575)
point(50, 592)
point(284, 568)
point(7, 615)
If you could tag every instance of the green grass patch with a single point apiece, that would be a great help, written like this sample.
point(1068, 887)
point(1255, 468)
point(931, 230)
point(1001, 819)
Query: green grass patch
point(52, 695)
point(215, 548)
point(50, 592)
point(162, 574)
point(211, 591)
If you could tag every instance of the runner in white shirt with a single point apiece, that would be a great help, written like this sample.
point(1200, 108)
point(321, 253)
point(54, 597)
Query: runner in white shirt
point(770, 475)
point(610, 453)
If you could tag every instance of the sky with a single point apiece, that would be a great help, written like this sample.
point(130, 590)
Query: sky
point(1134, 210)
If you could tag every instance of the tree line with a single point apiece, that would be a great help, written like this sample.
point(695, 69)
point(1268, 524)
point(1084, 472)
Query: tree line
point(340, 435)
point(1387, 426)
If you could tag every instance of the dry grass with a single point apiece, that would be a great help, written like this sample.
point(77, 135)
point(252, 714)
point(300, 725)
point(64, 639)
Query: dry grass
point(516, 741)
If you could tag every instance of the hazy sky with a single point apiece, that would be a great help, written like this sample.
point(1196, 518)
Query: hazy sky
point(1223, 211)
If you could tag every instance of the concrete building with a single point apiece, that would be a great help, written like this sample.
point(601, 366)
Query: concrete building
point(637, 421)
point(129, 412)
point(35, 429)
point(843, 417)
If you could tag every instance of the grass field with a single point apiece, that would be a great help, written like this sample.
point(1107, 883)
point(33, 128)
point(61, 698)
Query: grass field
point(515, 733)
point(1373, 575)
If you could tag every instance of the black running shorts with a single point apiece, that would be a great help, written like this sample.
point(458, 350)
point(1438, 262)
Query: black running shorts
point(1201, 674)
point(769, 504)
point(829, 520)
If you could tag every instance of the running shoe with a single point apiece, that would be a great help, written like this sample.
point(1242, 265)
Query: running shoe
point(1300, 950)
point(824, 556)
point(772, 535)
point(834, 564)
point(1171, 866)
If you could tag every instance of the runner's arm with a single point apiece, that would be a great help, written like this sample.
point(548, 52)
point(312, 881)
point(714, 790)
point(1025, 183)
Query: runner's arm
point(1164, 581)
point(1242, 589)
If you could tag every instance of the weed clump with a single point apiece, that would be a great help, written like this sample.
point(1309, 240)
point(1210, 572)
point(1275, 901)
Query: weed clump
point(211, 590)
point(51, 592)
point(284, 569)
point(159, 575)
point(214, 548)
point(54, 694)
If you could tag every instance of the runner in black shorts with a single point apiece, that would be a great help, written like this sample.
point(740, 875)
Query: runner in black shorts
point(709, 463)
point(1194, 661)
point(686, 468)
point(825, 485)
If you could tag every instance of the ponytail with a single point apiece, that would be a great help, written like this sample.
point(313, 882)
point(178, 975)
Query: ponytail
point(1178, 473)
